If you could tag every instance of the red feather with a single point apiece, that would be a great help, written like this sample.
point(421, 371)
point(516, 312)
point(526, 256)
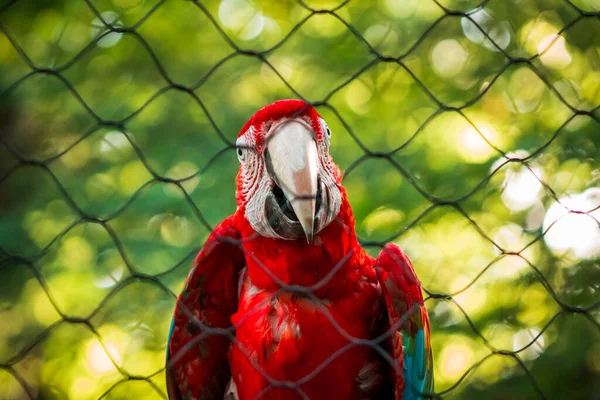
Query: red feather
point(305, 314)
point(407, 316)
point(197, 363)
point(290, 335)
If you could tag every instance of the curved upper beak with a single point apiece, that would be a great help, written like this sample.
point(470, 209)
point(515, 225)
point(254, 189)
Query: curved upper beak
point(293, 159)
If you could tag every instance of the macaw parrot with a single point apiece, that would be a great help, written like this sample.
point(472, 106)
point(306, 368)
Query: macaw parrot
point(282, 302)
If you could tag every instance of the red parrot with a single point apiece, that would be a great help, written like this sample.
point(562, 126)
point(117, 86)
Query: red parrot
point(282, 302)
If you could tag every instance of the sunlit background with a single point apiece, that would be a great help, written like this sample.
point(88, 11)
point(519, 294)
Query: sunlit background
point(491, 185)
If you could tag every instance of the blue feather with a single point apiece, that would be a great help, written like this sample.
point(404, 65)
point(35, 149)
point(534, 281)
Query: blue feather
point(414, 366)
point(169, 337)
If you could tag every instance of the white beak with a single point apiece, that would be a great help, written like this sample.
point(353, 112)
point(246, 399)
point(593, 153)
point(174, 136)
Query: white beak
point(292, 150)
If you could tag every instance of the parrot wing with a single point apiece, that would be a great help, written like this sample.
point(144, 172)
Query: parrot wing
point(409, 324)
point(197, 364)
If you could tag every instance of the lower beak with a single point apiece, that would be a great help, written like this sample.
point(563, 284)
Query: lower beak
point(292, 161)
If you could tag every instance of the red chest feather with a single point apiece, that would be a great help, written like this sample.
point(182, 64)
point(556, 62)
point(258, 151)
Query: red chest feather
point(302, 340)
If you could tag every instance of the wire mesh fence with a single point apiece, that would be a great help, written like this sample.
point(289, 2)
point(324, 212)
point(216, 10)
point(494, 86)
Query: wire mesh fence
point(506, 250)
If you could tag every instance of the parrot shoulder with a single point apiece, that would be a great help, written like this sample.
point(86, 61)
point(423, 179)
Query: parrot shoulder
point(196, 360)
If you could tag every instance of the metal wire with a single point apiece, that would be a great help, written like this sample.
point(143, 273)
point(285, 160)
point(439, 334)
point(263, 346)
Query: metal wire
point(7, 259)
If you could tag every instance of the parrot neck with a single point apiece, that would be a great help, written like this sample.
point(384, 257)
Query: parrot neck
point(296, 262)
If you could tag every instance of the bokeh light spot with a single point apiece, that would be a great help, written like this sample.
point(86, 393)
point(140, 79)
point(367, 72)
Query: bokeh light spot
point(455, 358)
point(401, 8)
point(521, 185)
point(449, 58)
point(358, 96)
point(133, 175)
point(98, 359)
point(177, 231)
point(526, 337)
point(499, 31)
point(557, 56)
point(473, 147)
point(182, 170)
point(577, 232)
point(112, 19)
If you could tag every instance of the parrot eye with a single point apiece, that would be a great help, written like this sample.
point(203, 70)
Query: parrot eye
point(328, 131)
point(241, 154)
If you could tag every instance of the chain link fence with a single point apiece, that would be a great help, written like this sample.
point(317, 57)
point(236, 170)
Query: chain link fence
point(497, 222)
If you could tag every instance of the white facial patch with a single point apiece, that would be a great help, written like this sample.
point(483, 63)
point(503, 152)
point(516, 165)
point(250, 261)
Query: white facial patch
point(296, 156)
point(255, 184)
point(242, 141)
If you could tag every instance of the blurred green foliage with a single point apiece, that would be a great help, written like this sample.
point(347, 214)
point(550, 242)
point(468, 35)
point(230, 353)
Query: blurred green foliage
point(93, 247)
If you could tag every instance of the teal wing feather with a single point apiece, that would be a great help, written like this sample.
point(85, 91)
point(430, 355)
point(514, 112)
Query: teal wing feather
point(172, 387)
point(408, 325)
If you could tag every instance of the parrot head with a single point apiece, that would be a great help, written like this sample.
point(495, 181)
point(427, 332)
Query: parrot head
point(287, 185)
